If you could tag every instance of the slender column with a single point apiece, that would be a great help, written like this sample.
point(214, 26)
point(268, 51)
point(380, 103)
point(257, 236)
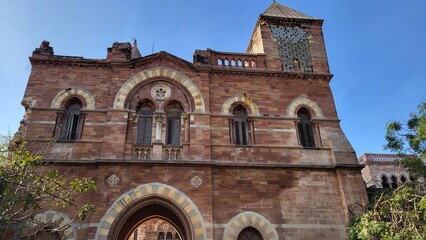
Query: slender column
point(159, 119)
point(186, 121)
point(157, 145)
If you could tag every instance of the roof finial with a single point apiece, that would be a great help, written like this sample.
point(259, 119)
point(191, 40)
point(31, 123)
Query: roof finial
point(135, 51)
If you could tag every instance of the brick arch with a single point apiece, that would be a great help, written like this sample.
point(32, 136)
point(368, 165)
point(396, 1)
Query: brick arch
point(249, 219)
point(59, 220)
point(226, 106)
point(159, 72)
point(89, 99)
point(303, 101)
point(149, 190)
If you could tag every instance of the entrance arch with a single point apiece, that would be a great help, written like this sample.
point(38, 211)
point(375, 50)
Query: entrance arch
point(148, 201)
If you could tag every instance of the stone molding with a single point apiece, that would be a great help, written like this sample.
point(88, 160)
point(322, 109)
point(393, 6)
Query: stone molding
point(254, 110)
point(169, 73)
point(303, 102)
point(249, 219)
point(89, 99)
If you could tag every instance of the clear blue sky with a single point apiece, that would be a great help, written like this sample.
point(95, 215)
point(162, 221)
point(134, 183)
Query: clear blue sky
point(376, 49)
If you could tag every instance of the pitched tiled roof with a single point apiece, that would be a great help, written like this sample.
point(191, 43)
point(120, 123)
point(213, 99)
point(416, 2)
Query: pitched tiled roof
point(281, 11)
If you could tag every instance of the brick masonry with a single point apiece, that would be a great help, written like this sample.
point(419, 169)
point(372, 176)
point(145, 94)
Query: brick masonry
point(215, 188)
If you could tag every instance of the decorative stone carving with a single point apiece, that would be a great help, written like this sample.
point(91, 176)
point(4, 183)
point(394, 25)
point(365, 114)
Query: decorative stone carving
point(161, 92)
point(132, 116)
point(113, 180)
point(196, 181)
point(159, 117)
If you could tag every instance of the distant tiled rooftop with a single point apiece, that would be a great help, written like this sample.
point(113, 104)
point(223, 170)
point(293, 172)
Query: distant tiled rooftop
point(373, 157)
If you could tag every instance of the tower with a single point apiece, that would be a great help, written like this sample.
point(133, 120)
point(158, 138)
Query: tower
point(292, 41)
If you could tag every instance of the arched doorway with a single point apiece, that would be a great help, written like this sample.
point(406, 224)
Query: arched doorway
point(151, 201)
point(148, 211)
point(156, 228)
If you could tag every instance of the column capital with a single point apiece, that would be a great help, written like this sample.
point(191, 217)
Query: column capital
point(159, 117)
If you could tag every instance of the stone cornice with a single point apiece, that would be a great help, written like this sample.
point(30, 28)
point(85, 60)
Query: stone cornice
point(292, 21)
point(307, 76)
point(58, 60)
point(134, 63)
point(213, 164)
point(70, 61)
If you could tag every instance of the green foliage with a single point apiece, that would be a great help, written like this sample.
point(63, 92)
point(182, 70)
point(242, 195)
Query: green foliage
point(28, 185)
point(399, 214)
point(409, 137)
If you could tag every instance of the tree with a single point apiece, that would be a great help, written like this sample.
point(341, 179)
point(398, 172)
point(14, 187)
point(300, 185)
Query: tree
point(399, 214)
point(28, 185)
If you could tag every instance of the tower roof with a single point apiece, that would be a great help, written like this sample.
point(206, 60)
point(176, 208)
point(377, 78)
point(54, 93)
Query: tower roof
point(281, 11)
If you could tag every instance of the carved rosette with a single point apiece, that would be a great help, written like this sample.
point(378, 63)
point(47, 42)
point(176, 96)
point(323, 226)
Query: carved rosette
point(160, 92)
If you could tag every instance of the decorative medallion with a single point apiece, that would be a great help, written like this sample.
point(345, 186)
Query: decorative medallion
point(196, 181)
point(161, 92)
point(113, 180)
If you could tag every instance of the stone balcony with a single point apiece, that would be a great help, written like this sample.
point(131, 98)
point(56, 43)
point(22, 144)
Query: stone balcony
point(230, 60)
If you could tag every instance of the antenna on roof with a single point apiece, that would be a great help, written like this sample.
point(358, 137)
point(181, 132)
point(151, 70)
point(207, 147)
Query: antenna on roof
point(152, 51)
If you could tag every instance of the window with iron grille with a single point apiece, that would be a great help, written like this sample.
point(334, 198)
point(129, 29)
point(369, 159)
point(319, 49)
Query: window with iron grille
point(144, 132)
point(173, 128)
point(240, 126)
point(71, 121)
point(304, 127)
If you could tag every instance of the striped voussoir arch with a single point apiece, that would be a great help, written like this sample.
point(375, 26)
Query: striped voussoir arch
point(89, 99)
point(57, 220)
point(148, 190)
point(249, 219)
point(169, 73)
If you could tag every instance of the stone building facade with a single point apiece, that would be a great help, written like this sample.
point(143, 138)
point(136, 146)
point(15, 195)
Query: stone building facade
point(383, 170)
point(229, 146)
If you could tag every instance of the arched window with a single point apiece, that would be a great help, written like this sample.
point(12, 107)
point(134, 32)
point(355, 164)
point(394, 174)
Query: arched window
point(249, 233)
point(161, 236)
point(304, 127)
point(394, 181)
point(144, 125)
point(72, 123)
point(169, 236)
point(385, 183)
point(47, 234)
point(240, 126)
point(173, 126)
point(403, 179)
point(135, 235)
point(177, 236)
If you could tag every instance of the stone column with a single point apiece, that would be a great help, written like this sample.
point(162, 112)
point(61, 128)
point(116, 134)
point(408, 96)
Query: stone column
point(186, 120)
point(158, 119)
point(157, 145)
